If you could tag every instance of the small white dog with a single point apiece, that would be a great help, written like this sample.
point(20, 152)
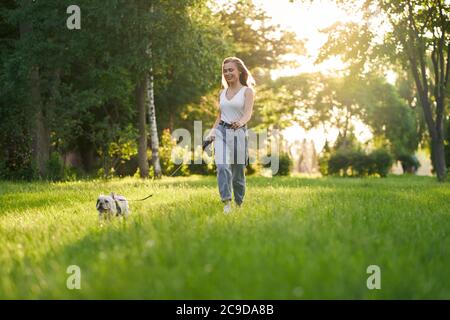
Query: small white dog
point(111, 206)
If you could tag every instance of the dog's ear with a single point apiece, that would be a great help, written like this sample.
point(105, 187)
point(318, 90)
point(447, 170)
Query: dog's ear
point(96, 205)
point(112, 195)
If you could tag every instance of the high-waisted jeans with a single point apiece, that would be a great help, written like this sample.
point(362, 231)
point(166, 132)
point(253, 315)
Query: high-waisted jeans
point(231, 158)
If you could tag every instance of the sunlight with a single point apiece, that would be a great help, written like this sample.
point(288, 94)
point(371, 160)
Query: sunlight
point(295, 134)
point(306, 20)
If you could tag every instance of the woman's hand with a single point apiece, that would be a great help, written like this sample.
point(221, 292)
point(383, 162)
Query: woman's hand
point(237, 124)
point(211, 136)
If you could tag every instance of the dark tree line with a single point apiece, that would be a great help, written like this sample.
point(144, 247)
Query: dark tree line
point(105, 93)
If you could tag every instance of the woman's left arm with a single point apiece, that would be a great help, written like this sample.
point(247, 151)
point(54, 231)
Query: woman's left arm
point(248, 109)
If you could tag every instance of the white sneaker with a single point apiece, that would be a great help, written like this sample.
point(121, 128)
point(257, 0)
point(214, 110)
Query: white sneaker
point(227, 207)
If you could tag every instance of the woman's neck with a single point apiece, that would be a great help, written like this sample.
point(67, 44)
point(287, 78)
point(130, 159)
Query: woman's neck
point(235, 85)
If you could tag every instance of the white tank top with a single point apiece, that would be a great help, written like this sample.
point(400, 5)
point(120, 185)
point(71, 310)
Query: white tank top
point(233, 109)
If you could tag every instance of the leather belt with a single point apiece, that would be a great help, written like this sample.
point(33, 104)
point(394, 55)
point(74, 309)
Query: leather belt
point(228, 125)
point(223, 123)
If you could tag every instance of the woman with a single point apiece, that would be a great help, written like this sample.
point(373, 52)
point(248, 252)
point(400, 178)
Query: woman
point(230, 130)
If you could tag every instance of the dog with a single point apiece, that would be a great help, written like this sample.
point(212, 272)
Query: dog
point(113, 205)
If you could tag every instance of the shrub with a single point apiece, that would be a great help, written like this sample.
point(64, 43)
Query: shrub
point(339, 163)
point(381, 162)
point(348, 162)
point(18, 170)
point(409, 163)
point(207, 165)
point(360, 163)
point(284, 165)
point(324, 158)
point(251, 169)
point(165, 152)
point(55, 167)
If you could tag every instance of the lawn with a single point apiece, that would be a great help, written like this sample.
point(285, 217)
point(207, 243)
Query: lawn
point(295, 238)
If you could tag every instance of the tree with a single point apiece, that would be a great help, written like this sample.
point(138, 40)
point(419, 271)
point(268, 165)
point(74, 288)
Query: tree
point(388, 115)
point(142, 127)
point(92, 90)
point(183, 52)
point(259, 42)
point(419, 40)
point(315, 100)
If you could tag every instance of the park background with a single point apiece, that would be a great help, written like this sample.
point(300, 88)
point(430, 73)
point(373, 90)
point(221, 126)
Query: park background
point(358, 88)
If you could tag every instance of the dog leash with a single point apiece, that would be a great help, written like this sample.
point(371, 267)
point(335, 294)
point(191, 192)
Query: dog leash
point(143, 199)
point(204, 146)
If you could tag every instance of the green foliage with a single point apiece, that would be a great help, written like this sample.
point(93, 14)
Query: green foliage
point(324, 157)
point(381, 161)
point(251, 169)
point(258, 41)
point(117, 152)
point(409, 163)
point(194, 161)
point(416, 39)
point(170, 155)
point(285, 165)
point(25, 171)
point(339, 162)
point(87, 78)
point(389, 116)
point(319, 101)
point(348, 159)
point(55, 167)
point(165, 152)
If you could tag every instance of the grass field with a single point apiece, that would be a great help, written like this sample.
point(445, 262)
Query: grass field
point(295, 238)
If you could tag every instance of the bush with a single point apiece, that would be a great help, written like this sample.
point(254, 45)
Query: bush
point(284, 165)
point(251, 169)
point(323, 165)
point(24, 171)
point(381, 162)
point(347, 162)
point(55, 168)
point(324, 158)
point(360, 163)
point(409, 163)
point(339, 163)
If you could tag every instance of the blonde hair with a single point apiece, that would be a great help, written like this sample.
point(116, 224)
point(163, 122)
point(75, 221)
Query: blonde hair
point(245, 77)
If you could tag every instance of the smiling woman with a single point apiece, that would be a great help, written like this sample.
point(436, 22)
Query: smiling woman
point(231, 147)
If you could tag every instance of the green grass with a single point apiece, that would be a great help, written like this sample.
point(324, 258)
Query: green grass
point(296, 238)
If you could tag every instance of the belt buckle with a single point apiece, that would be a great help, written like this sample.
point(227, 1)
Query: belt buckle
point(226, 125)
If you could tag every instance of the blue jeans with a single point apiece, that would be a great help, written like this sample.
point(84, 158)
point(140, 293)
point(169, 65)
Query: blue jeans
point(231, 158)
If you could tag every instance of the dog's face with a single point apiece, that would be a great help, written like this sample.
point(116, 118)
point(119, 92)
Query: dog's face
point(105, 203)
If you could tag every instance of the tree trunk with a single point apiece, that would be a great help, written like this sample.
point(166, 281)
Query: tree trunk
point(152, 123)
point(142, 148)
point(438, 147)
point(438, 158)
point(171, 121)
point(54, 99)
point(434, 124)
point(436, 133)
point(41, 135)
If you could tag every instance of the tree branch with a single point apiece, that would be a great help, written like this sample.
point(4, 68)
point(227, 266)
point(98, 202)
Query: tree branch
point(421, 50)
